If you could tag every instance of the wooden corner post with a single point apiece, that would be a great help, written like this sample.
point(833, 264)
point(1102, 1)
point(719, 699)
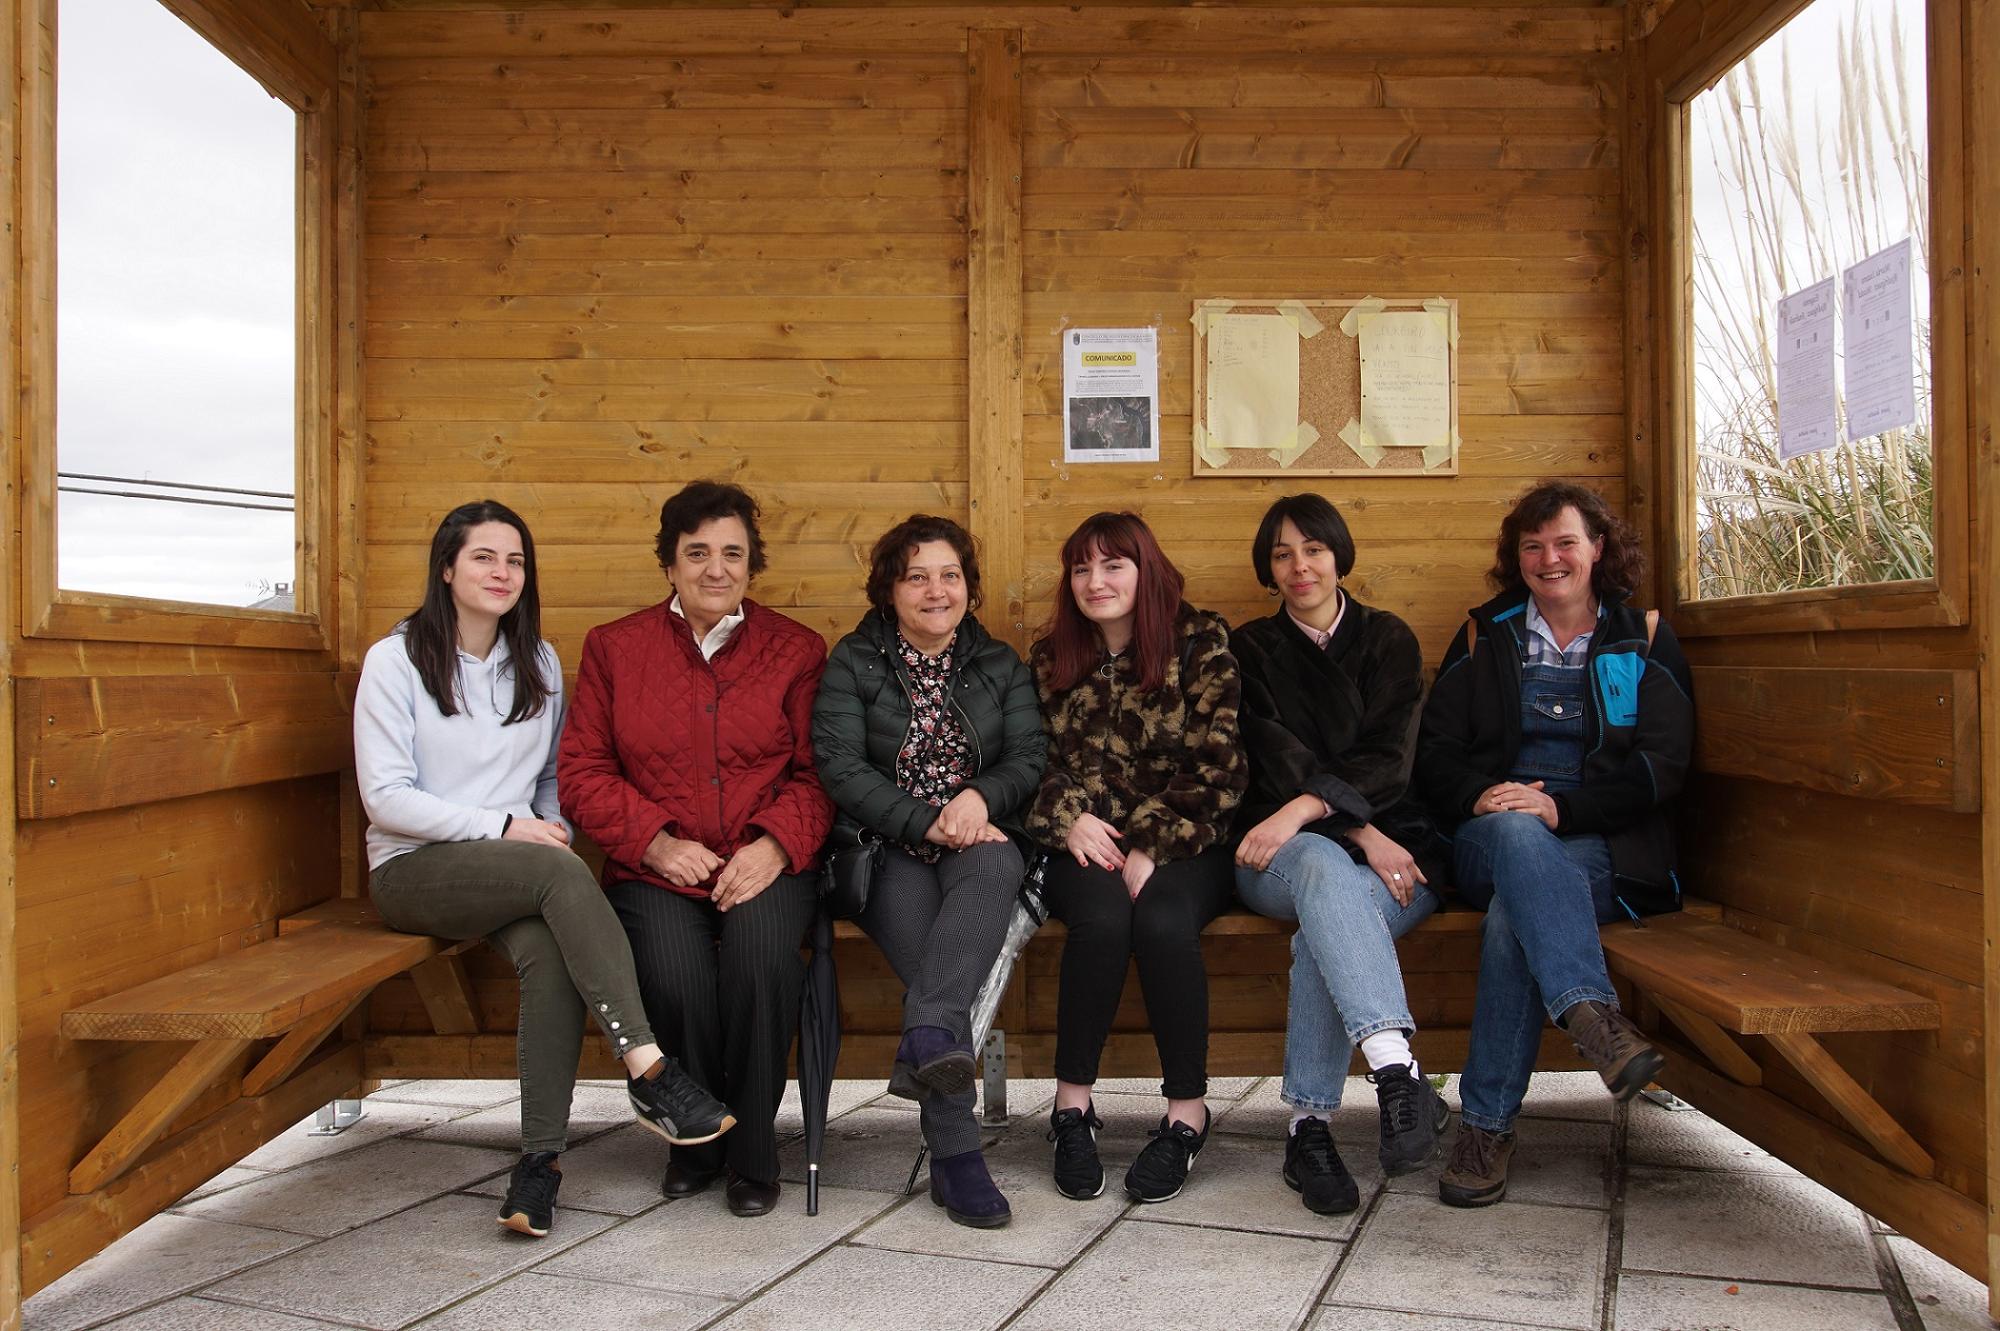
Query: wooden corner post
point(11, 17)
point(993, 317)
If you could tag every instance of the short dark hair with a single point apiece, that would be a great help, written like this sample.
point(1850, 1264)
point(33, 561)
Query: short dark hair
point(705, 501)
point(1618, 569)
point(890, 559)
point(1316, 519)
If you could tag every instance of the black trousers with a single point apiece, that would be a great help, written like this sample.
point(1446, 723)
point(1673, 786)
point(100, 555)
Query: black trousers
point(722, 991)
point(1162, 932)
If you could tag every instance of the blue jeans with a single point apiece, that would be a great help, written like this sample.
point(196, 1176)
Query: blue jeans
point(1346, 981)
point(1544, 897)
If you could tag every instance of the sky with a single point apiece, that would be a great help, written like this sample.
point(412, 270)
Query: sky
point(175, 205)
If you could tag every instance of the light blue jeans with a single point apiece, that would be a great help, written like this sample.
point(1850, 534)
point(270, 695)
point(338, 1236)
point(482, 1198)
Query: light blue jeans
point(1544, 897)
point(1346, 981)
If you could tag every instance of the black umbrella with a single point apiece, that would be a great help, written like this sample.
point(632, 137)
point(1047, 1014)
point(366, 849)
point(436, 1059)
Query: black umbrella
point(819, 1047)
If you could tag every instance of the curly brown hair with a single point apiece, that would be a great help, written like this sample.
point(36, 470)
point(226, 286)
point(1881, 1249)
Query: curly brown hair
point(1617, 571)
point(890, 559)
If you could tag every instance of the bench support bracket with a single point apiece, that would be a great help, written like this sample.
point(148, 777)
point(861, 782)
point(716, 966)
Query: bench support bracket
point(1862, 1111)
point(1720, 1047)
point(299, 1042)
point(147, 1121)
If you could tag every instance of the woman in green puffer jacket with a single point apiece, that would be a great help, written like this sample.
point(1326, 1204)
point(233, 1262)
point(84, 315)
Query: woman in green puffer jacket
point(928, 735)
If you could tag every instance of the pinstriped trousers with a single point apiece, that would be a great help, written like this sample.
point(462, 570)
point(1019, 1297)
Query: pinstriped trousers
point(722, 989)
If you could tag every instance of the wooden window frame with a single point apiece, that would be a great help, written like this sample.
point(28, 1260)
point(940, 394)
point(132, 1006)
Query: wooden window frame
point(1943, 599)
point(292, 60)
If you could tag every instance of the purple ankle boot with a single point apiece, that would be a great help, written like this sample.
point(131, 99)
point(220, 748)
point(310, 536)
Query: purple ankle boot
point(961, 1185)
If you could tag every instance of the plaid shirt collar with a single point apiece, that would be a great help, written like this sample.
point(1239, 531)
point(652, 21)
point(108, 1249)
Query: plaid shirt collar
point(1540, 645)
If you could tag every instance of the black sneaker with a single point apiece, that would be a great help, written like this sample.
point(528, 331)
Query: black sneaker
point(1161, 1170)
point(672, 1104)
point(1079, 1173)
point(1413, 1117)
point(530, 1206)
point(1313, 1169)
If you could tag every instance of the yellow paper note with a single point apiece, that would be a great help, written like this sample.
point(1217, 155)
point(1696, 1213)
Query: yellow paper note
point(1253, 381)
point(1405, 380)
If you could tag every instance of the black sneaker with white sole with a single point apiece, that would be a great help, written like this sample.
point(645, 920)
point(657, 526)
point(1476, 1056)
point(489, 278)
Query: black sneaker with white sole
point(1079, 1173)
point(1315, 1171)
point(1161, 1170)
point(531, 1195)
point(674, 1105)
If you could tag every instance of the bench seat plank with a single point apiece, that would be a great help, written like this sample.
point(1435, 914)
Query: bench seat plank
point(258, 992)
point(1752, 987)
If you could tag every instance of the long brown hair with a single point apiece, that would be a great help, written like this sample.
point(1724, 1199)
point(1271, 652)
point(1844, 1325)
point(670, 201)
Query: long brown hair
point(1616, 574)
point(430, 632)
point(1074, 644)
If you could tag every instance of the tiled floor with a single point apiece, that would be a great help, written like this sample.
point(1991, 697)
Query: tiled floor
point(1649, 1220)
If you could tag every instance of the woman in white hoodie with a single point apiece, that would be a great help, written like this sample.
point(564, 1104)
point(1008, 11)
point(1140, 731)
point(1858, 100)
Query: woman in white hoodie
point(455, 730)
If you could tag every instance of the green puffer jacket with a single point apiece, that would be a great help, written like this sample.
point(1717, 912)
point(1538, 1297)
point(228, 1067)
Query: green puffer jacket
point(862, 716)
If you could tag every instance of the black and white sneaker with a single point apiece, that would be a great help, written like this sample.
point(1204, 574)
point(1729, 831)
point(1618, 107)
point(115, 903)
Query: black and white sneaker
point(1079, 1173)
point(1315, 1171)
point(531, 1195)
point(1161, 1170)
point(1414, 1116)
point(674, 1105)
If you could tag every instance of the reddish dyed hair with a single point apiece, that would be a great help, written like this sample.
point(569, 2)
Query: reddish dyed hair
point(1074, 645)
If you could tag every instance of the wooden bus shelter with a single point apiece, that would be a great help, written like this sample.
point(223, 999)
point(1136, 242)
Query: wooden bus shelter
point(571, 257)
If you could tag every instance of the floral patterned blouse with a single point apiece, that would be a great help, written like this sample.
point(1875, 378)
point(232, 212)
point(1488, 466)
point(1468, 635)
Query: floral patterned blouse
point(936, 759)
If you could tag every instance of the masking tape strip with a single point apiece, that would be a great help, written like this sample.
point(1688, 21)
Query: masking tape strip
point(1301, 317)
point(1213, 456)
point(1445, 316)
point(1201, 312)
point(1307, 437)
point(1351, 325)
point(1350, 434)
point(1439, 454)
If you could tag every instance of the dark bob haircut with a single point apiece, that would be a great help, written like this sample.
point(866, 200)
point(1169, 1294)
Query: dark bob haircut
point(1616, 574)
point(890, 559)
point(705, 501)
point(1316, 519)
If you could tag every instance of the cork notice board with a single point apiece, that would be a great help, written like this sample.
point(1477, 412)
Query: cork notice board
point(1331, 439)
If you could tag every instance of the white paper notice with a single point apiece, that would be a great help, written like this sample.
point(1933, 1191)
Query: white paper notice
point(1405, 379)
point(1253, 381)
point(1875, 309)
point(1806, 421)
point(1111, 395)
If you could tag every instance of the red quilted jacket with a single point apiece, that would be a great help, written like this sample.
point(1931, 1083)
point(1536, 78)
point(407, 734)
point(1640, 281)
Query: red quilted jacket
point(718, 751)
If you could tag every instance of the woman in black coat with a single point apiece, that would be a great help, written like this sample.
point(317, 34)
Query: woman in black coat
point(927, 734)
point(1331, 689)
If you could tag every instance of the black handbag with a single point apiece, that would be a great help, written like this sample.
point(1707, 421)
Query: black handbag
point(853, 857)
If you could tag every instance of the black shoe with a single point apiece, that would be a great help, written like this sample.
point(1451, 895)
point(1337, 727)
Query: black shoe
point(1413, 1117)
point(672, 1104)
point(1313, 1169)
point(531, 1195)
point(749, 1197)
point(1161, 1170)
point(686, 1180)
point(1079, 1173)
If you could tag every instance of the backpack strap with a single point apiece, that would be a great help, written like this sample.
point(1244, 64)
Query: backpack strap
point(1471, 636)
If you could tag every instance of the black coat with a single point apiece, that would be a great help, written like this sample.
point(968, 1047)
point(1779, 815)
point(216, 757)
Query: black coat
point(862, 717)
point(1339, 723)
point(1638, 738)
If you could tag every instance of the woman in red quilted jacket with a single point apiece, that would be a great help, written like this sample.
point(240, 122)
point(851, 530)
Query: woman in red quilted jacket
point(688, 758)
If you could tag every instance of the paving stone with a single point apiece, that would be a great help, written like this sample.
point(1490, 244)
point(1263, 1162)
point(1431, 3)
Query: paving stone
point(231, 1177)
point(334, 1195)
point(696, 1246)
point(479, 1094)
point(380, 1120)
point(865, 1148)
point(1690, 1139)
point(1680, 1303)
point(617, 1171)
point(1579, 1095)
point(168, 1255)
point(1743, 1226)
point(1946, 1298)
point(1184, 1277)
point(533, 1299)
point(844, 1097)
point(1262, 1114)
point(389, 1274)
point(1557, 1162)
point(1048, 1229)
point(865, 1289)
point(1375, 1319)
point(1241, 1185)
point(198, 1314)
point(1532, 1265)
point(595, 1108)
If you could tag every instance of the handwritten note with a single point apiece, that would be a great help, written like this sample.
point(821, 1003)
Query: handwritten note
point(1405, 379)
point(1875, 310)
point(1253, 381)
point(1806, 419)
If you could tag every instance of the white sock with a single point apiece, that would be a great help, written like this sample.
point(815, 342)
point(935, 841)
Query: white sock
point(1387, 1048)
point(1302, 1116)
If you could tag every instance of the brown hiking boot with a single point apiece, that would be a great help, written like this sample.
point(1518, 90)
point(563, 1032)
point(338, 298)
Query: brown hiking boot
point(1477, 1172)
point(1608, 1039)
